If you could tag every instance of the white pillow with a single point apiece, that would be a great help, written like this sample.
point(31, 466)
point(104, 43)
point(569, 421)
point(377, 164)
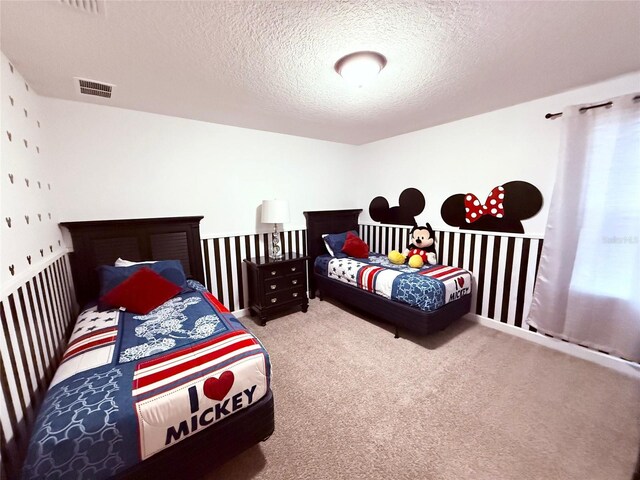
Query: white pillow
point(127, 263)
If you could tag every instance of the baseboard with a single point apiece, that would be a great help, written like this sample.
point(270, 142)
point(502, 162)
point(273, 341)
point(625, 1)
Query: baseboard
point(618, 364)
point(243, 312)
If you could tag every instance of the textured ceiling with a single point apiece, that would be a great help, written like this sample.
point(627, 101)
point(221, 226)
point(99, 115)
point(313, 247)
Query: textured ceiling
point(268, 65)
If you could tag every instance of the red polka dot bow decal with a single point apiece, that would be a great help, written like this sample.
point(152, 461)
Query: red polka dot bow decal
point(493, 206)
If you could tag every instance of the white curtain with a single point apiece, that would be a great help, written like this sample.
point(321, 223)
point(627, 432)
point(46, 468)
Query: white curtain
point(588, 285)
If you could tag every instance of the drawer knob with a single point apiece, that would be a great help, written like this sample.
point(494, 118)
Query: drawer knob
point(295, 294)
point(293, 269)
point(294, 282)
point(274, 300)
point(273, 287)
point(273, 272)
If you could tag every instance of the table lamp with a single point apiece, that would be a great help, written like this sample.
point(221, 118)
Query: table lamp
point(275, 211)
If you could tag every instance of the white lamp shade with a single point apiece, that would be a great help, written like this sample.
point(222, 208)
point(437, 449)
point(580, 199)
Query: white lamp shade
point(275, 211)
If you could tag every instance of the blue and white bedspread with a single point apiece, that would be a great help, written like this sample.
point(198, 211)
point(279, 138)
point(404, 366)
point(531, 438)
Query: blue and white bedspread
point(427, 288)
point(131, 385)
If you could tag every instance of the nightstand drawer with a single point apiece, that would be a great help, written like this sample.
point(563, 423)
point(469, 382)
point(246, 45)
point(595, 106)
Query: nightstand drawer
point(297, 280)
point(295, 268)
point(285, 296)
point(273, 271)
point(281, 283)
point(275, 284)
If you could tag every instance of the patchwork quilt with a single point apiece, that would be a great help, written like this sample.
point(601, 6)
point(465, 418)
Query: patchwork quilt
point(132, 385)
point(427, 288)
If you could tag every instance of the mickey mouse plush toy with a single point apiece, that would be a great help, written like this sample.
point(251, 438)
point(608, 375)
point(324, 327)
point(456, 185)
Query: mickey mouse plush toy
point(422, 248)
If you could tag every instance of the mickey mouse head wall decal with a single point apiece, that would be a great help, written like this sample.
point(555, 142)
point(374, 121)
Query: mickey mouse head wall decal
point(411, 203)
point(502, 211)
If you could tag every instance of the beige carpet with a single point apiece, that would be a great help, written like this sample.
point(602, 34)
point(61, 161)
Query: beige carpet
point(352, 402)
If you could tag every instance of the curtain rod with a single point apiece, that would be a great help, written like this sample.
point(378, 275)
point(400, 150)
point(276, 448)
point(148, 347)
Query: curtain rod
point(584, 109)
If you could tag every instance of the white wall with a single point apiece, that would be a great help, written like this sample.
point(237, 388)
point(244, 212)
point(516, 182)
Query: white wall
point(477, 153)
point(116, 163)
point(26, 120)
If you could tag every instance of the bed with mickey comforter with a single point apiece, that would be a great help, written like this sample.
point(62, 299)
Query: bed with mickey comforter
point(159, 379)
point(130, 386)
point(427, 288)
point(422, 300)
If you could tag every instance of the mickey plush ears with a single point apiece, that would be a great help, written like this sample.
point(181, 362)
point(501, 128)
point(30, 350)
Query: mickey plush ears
point(502, 211)
point(411, 204)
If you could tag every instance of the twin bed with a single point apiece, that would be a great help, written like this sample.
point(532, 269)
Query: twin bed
point(426, 311)
point(170, 394)
point(182, 389)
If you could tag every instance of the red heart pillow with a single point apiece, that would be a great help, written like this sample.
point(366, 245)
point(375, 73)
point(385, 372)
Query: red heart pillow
point(141, 292)
point(354, 246)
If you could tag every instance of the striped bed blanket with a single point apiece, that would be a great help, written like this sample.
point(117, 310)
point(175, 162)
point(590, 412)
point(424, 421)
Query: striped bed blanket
point(132, 385)
point(427, 288)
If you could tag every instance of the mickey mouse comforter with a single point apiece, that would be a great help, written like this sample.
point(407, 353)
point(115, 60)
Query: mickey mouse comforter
point(131, 385)
point(427, 288)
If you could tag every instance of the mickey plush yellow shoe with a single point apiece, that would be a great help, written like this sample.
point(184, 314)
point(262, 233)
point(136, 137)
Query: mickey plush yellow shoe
point(396, 257)
point(416, 261)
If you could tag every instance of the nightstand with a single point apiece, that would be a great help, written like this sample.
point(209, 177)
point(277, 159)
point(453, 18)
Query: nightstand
point(277, 285)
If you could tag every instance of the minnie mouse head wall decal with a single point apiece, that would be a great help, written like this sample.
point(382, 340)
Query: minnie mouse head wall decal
point(502, 211)
point(410, 204)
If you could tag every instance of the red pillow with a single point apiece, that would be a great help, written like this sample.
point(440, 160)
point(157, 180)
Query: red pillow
point(141, 292)
point(354, 246)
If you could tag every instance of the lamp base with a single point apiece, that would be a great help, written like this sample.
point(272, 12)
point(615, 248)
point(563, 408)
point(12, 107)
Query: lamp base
point(275, 251)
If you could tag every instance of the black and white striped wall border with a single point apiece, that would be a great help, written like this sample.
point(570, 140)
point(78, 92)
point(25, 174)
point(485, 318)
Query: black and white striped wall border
point(504, 266)
point(36, 318)
point(223, 262)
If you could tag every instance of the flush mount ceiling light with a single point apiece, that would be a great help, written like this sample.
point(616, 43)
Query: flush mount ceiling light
point(360, 68)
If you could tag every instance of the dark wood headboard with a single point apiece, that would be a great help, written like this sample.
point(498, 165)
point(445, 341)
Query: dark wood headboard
point(326, 221)
point(101, 242)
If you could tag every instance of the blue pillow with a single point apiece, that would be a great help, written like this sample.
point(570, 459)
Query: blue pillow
point(110, 277)
point(335, 241)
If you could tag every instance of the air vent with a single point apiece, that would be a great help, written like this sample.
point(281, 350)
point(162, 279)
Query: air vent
point(92, 87)
point(95, 7)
